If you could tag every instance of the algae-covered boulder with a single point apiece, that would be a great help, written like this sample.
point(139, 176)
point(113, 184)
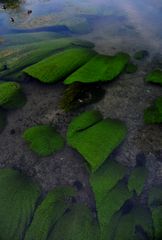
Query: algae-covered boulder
point(95, 138)
point(18, 197)
point(131, 68)
point(154, 77)
point(153, 114)
point(99, 68)
point(2, 120)
point(76, 224)
point(11, 95)
point(141, 54)
point(43, 140)
point(59, 66)
point(49, 212)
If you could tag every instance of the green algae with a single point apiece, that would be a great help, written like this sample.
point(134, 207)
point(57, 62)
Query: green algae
point(3, 120)
point(154, 77)
point(153, 114)
point(11, 95)
point(131, 68)
point(59, 66)
point(43, 140)
point(18, 197)
point(140, 55)
point(95, 138)
point(100, 68)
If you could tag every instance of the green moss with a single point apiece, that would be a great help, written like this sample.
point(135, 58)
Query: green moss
point(95, 138)
point(11, 95)
point(154, 77)
point(77, 95)
point(43, 140)
point(137, 179)
point(100, 68)
point(141, 54)
point(59, 66)
point(153, 114)
point(131, 68)
point(18, 197)
point(49, 212)
point(2, 120)
point(77, 224)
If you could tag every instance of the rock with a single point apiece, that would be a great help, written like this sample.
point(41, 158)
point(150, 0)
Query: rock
point(140, 55)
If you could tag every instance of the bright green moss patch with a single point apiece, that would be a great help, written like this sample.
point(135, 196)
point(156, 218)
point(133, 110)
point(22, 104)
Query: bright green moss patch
point(95, 138)
point(18, 197)
point(137, 179)
point(2, 120)
point(11, 95)
point(59, 66)
point(43, 140)
point(77, 224)
point(100, 68)
point(141, 54)
point(154, 77)
point(153, 114)
point(49, 212)
point(131, 68)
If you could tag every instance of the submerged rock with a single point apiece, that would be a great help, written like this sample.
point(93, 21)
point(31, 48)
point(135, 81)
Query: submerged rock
point(154, 77)
point(141, 54)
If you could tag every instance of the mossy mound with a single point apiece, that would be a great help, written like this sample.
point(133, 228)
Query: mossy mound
point(18, 197)
point(141, 54)
point(153, 114)
point(78, 94)
point(2, 120)
point(95, 138)
point(59, 66)
point(52, 208)
point(131, 68)
point(11, 95)
point(43, 140)
point(77, 224)
point(154, 77)
point(100, 68)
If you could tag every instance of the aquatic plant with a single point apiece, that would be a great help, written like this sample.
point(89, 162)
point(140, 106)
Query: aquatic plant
point(77, 95)
point(153, 114)
point(76, 224)
point(59, 66)
point(141, 54)
point(100, 68)
point(43, 140)
point(2, 120)
point(95, 138)
point(18, 197)
point(131, 68)
point(11, 95)
point(47, 214)
point(154, 76)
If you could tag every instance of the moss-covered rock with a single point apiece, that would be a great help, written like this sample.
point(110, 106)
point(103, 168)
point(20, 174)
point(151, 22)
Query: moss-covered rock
point(77, 224)
point(3, 120)
point(100, 68)
point(59, 66)
point(153, 114)
point(49, 212)
point(141, 54)
point(131, 68)
point(11, 95)
point(18, 197)
point(154, 77)
point(95, 138)
point(43, 140)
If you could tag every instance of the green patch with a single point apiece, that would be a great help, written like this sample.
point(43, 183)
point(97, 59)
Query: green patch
point(11, 95)
point(137, 179)
point(43, 140)
point(100, 68)
point(154, 77)
point(140, 55)
point(153, 114)
point(131, 68)
point(59, 66)
point(2, 120)
point(77, 224)
point(95, 138)
point(49, 212)
point(78, 94)
point(18, 197)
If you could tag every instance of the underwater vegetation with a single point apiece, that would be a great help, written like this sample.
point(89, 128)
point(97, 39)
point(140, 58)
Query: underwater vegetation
point(11, 3)
point(131, 68)
point(153, 114)
point(154, 77)
point(141, 54)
